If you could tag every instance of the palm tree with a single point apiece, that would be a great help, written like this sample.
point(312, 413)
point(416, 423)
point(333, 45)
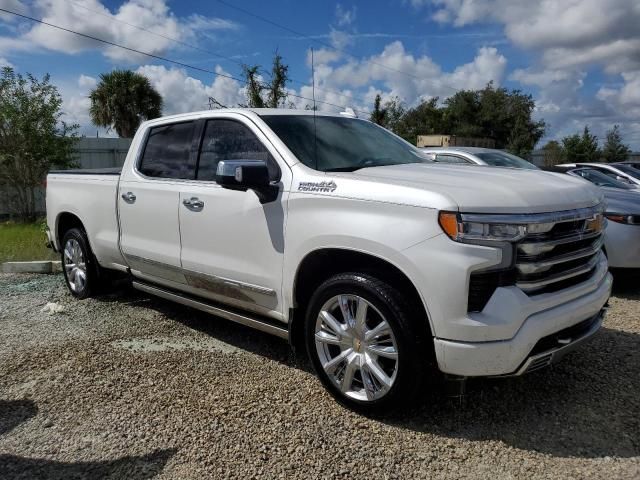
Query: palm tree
point(122, 100)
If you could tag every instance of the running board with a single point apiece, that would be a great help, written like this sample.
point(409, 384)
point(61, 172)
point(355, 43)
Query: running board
point(262, 325)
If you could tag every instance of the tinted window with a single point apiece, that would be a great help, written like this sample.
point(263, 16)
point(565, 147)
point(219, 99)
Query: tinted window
point(341, 144)
point(229, 140)
point(600, 179)
point(166, 154)
point(503, 159)
point(634, 172)
point(444, 158)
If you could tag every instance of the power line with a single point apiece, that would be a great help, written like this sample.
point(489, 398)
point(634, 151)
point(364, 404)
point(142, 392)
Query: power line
point(158, 57)
point(195, 47)
point(316, 40)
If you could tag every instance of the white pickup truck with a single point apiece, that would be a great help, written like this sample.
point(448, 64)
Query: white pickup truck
point(336, 234)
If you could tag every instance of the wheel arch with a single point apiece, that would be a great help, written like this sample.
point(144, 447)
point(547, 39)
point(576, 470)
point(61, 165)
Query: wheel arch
point(322, 263)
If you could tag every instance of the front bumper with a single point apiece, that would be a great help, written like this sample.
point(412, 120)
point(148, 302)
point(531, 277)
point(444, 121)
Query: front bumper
point(518, 354)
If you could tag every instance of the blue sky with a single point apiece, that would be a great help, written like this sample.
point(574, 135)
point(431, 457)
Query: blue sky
point(581, 66)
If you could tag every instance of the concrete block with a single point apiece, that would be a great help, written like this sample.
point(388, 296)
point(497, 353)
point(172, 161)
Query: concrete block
point(27, 267)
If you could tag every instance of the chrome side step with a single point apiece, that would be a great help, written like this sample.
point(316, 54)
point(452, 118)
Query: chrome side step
point(243, 319)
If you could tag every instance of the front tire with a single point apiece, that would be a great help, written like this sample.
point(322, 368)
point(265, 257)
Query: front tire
point(78, 264)
point(363, 343)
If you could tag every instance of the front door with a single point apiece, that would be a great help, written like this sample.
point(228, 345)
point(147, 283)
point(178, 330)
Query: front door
point(233, 245)
point(149, 200)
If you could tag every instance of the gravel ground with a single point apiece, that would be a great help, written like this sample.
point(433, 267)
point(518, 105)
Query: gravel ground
point(127, 386)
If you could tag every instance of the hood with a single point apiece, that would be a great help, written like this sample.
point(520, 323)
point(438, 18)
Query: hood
point(622, 201)
point(481, 189)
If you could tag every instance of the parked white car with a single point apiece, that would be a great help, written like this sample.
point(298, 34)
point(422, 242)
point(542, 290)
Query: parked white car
point(611, 170)
point(334, 233)
point(476, 156)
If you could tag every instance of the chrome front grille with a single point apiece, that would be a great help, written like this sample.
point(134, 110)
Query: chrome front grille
point(559, 254)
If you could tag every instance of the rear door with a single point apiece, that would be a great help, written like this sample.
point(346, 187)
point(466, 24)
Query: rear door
point(149, 199)
point(233, 245)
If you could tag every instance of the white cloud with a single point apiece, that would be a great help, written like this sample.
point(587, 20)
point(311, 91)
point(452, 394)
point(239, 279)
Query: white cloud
point(5, 63)
point(86, 82)
point(409, 77)
point(344, 16)
point(15, 6)
point(567, 32)
point(91, 17)
point(567, 38)
point(182, 93)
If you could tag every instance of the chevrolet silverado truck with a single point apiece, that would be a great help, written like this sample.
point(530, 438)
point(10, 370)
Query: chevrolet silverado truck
point(339, 236)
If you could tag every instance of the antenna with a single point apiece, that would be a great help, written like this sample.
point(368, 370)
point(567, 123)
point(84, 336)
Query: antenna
point(313, 95)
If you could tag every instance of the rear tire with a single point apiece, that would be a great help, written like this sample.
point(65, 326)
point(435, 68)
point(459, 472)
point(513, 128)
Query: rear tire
point(365, 345)
point(81, 271)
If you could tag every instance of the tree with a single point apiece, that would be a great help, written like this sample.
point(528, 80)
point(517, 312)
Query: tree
point(553, 153)
point(497, 113)
point(614, 150)
point(276, 92)
point(123, 100)
point(581, 148)
point(426, 118)
point(33, 137)
point(395, 111)
point(379, 113)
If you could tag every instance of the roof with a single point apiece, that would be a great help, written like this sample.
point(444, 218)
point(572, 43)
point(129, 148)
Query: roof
point(471, 150)
point(242, 111)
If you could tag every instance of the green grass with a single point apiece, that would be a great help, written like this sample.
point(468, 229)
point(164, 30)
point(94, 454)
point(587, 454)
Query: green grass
point(24, 241)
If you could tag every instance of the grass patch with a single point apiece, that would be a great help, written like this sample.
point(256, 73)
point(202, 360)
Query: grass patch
point(24, 241)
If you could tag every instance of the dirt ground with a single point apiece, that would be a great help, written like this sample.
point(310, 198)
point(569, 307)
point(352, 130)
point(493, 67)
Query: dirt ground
point(128, 386)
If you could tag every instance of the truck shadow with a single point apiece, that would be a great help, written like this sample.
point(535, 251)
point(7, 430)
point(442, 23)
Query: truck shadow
point(626, 283)
point(15, 412)
point(586, 406)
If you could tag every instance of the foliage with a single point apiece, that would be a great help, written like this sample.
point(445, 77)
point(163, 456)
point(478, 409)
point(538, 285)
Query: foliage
point(33, 137)
point(22, 242)
point(497, 113)
point(614, 150)
point(581, 148)
point(423, 119)
point(379, 113)
point(553, 153)
point(123, 100)
point(267, 95)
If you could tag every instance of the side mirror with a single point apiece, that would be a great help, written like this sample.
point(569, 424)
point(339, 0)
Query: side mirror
point(244, 175)
point(622, 179)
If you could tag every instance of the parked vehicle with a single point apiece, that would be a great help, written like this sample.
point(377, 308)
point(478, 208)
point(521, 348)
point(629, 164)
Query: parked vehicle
point(477, 156)
point(622, 237)
point(334, 233)
point(612, 170)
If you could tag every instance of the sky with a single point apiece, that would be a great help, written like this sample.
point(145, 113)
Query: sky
point(579, 59)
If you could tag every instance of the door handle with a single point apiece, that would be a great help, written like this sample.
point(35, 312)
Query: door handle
point(194, 204)
point(129, 197)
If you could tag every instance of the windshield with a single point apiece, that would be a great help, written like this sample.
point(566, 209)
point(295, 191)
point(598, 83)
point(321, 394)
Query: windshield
point(633, 172)
point(600, 179)
point(503, 159)
point(341, 144)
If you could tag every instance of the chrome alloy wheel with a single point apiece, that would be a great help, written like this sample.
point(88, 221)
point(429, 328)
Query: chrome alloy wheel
point(356, 347)
point(75, 265)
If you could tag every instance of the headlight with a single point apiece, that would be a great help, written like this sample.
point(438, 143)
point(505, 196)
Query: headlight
point(480, 228)
point(621, 218)
point(462, 230)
